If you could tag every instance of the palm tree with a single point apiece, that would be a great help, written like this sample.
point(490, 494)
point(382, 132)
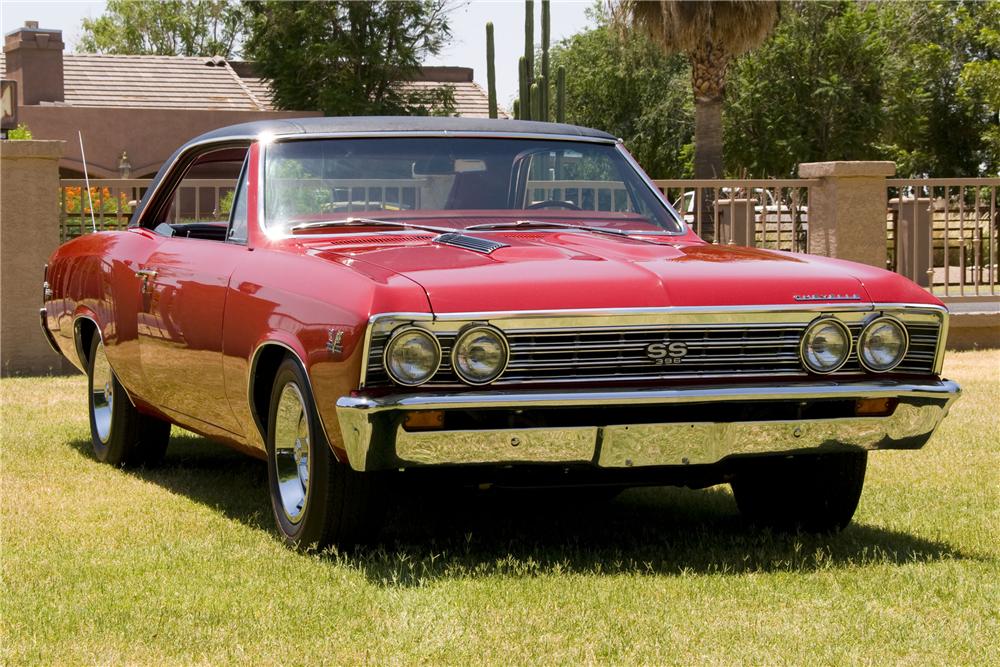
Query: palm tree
point(711, 34)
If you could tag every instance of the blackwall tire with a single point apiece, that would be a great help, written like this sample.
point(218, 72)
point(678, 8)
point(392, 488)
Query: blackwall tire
point(814, 493)
point(121, 436)
point(316, 500)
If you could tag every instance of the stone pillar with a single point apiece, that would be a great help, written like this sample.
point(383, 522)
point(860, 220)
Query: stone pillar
point(737, 222)
point(847, 210)
point(29, 232)
point(913, 237)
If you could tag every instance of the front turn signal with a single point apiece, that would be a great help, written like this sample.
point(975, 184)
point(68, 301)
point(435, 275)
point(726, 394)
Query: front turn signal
point(875, 407)
point(424, 420)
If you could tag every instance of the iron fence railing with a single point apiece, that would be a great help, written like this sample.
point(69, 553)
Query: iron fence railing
point(942, 233)
point(766, 213)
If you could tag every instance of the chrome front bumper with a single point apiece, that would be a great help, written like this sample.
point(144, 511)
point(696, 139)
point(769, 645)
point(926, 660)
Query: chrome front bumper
point(375, 439)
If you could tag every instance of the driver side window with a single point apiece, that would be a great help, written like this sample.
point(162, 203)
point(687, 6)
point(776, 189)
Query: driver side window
point(201, 205)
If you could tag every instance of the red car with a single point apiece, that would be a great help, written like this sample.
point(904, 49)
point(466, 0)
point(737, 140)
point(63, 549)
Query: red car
point(498, 302)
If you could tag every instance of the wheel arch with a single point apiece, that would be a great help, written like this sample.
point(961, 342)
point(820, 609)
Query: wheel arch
point(84, 327)
point(267, 358)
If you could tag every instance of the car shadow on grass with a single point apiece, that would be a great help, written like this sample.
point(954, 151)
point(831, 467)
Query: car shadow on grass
point(448, 532)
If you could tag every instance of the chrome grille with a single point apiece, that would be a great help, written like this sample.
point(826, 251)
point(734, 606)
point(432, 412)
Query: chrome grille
point(618, 353)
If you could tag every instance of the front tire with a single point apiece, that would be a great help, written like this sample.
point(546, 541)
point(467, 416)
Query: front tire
point(317, 501)
point(120, 434)
point(812, 492)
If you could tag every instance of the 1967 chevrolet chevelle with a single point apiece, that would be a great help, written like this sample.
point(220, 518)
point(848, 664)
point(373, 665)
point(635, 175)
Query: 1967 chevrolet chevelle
point(505, 302)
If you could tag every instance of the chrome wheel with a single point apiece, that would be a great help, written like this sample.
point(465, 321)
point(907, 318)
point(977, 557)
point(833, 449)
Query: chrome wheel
point(291, 452)
point(102, 398)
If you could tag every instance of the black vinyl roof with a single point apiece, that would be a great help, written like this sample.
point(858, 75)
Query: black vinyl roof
point(364, 124)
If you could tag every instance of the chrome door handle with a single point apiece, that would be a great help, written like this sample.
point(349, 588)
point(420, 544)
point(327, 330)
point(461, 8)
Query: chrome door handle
point(145, 274)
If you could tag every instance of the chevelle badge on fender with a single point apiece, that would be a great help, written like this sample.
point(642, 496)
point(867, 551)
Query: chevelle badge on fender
point(494, 302)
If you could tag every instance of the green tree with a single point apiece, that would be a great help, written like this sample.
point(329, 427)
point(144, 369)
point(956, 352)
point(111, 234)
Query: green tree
point(348, 58)
point(711, 34)
point(980, 79)
point(166, 28)
point(942, 92)
point(627, 86)
point(812, 92)
point(916, 83)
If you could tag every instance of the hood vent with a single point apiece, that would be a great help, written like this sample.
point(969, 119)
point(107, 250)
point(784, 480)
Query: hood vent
point(381, 239)
point(474, 243)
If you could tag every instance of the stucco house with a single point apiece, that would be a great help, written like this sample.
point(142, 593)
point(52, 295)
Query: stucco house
point(146, 106)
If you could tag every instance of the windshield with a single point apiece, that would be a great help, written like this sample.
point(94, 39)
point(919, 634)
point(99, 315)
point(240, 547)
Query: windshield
point(458, 183)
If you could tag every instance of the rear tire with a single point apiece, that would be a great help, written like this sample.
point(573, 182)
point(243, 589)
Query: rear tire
point(121, 435)
point(816, 492)
point(317, 501)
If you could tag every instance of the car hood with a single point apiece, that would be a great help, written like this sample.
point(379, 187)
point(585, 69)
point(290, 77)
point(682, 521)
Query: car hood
point(581, 270)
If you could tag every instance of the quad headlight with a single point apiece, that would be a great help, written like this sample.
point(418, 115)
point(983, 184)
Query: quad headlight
point(825, 346)
point(480, 355)
point(882, 344)
point(412, 356)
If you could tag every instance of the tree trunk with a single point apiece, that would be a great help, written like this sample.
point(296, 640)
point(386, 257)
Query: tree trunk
point(708, 80)
point(708, 138)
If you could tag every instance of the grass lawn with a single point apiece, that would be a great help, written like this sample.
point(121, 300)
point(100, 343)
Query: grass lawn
point(180, 564)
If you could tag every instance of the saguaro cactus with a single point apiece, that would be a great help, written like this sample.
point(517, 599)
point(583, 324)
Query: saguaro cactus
point(529, 39)
point(491, 70)
point(546, 78)
point(561, 94)
point(533, 94)
point(525, 90)
point(543, 98)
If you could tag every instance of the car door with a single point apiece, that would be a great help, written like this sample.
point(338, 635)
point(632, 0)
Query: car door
point(184, 286)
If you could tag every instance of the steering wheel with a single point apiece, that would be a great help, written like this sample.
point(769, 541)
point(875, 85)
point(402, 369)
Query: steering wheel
point(553, 203)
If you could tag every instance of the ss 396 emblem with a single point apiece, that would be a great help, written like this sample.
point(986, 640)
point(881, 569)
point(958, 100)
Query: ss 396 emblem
point(666, 352)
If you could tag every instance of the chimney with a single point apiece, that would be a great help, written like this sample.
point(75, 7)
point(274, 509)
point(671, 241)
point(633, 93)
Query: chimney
point(35, 61)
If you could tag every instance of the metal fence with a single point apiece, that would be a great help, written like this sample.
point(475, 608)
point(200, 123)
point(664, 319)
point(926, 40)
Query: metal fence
point(942, 234)
point(766, 213)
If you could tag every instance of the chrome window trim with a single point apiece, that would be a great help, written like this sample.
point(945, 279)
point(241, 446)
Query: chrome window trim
point(613, 317)
point(232, 212)
point(867, 328)
point(473, 134)
point(847, 334)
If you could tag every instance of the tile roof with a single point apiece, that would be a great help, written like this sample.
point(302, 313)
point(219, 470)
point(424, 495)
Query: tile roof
point(167, 82)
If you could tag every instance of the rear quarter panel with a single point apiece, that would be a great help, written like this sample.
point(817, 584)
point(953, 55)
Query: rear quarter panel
point(93, 277)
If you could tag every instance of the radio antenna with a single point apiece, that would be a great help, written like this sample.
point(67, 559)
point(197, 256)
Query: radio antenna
point(86, 179)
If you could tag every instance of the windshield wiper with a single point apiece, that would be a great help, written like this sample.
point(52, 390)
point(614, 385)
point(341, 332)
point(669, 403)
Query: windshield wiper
point(368, 222)
point(543, 223)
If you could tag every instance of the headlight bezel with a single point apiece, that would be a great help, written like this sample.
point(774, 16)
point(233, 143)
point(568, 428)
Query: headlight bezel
point(805, 337)
point(393, 340)
point(468, 331)
point(866, 331)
